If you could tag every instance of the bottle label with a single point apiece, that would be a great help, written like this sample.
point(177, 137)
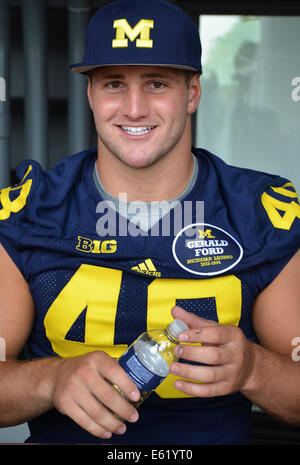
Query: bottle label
point(140, 375)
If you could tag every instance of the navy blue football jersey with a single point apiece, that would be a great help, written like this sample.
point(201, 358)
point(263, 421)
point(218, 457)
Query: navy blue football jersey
point(99, 289)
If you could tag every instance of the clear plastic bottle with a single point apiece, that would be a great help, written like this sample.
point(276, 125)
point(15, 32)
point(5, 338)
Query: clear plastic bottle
point(148, 358)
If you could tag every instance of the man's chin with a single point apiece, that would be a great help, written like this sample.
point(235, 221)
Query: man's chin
point(139, 161)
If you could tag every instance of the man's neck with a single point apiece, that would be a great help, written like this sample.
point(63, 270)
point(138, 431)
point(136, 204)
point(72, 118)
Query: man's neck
point(164, 180)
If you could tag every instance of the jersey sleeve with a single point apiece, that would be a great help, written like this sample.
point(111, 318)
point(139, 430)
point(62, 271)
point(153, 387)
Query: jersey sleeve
point(14, 206)
point(279, 225)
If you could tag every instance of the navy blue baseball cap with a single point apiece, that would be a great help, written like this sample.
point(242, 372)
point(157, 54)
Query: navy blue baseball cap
point(141, 32)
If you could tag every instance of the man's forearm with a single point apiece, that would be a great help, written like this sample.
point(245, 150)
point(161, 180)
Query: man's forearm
point(25, 389)
point(274, 384)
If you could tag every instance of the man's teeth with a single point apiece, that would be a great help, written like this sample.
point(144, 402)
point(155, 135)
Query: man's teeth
point(137, 131)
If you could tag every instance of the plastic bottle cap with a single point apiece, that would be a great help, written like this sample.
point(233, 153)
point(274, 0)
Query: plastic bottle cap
point(177, 326)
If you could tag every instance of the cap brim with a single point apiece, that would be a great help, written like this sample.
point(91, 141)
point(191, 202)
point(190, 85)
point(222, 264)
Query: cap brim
point(81, 69)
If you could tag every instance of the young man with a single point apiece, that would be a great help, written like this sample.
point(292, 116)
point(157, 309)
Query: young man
point(88, 261)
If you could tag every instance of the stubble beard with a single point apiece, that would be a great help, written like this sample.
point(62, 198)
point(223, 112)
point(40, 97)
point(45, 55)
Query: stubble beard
point(115, 149)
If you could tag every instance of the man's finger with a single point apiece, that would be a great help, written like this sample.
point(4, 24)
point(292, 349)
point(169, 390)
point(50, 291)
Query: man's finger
point(209, 355)
point(114, 373)
point(115, 402)
point(202, 390)
point(210, 335)
point(202, 374)
point(192, 320)
point(80, 417)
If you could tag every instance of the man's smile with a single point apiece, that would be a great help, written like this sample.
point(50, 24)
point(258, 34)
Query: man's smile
point(137, 130)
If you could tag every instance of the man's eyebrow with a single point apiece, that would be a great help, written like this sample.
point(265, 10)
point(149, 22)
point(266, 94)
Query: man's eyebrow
point(158, 76)
point(112, 76)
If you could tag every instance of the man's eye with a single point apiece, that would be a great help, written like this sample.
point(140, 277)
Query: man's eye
point(114, 85)
point(157, 85)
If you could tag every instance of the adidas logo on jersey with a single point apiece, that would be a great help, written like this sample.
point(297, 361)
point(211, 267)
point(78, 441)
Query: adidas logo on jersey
point(148, 268)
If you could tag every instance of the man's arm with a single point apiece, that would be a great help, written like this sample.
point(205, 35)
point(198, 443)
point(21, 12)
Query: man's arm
point(275, 380)
point(265, 372)
point(80, 387)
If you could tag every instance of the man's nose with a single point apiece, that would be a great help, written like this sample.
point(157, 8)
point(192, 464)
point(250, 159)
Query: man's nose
point(135, 104)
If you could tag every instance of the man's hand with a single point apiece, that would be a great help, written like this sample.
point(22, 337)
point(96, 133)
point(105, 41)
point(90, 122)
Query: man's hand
point(82, 389)
point(226, 353)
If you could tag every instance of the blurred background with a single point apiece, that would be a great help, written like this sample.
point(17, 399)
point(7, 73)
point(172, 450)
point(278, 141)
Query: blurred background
point(250, 109)
point(249, 113)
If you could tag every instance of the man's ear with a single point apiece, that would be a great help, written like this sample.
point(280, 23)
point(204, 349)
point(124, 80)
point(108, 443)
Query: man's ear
point(89, 91)
point(194, 93)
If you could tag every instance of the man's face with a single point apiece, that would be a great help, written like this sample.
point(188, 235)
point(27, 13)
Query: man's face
point(142, 113)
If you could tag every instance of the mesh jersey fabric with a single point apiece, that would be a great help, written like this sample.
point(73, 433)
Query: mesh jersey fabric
point(99, 293)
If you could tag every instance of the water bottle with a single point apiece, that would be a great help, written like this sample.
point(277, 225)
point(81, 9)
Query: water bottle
point(148, 358)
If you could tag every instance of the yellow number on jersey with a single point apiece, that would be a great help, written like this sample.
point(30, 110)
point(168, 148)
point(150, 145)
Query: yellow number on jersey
point(14, 206)
point(97, 289)
point(291, 210)
point(162, 296)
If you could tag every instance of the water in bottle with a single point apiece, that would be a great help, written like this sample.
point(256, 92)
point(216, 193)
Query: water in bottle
point(147, 361)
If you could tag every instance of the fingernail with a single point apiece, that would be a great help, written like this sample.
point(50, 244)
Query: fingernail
point(107, 435)
point(122, 429)
point(174, 368)
point(183, 337)
point(135, 395)
point(134, 417)
point(178, 350)
point(178, 384)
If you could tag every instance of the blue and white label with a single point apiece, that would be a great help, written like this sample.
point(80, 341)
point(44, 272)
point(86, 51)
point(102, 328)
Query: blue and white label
point(205, 249)
point(140, 375)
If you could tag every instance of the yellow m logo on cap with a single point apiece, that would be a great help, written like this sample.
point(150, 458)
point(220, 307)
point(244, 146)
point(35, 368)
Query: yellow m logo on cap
point(142, 29)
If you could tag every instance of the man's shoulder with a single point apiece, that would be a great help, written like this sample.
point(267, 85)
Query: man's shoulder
point(262, 208)
point(41, 190)
point(237, 185)
point(232, 173)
